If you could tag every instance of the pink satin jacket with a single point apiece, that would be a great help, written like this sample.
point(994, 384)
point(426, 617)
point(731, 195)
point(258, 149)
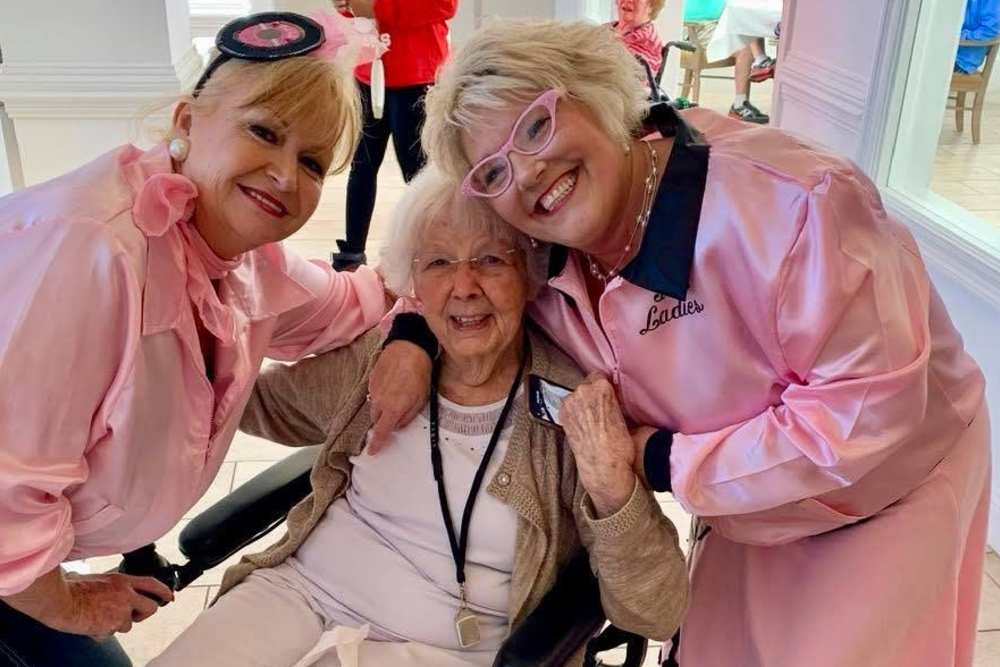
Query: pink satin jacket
point(109, 427)
point(783, 327)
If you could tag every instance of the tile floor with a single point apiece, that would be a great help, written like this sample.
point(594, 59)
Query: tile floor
point(966, 173)
point(249, 455)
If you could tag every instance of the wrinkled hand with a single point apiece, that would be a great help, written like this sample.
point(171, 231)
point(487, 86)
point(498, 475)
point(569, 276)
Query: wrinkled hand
point(601, 443)
point(397, 390)
point(103, 604)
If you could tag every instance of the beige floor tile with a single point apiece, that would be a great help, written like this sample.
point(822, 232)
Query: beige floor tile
point(968, 173)
point(681, 520)
point(245, 470)
point(950, 189)
point(993, 566)
point(149, 638)
point(983, 186)
point(218, 490)
point(989, 605)
point(987, 649)
point(248, 448)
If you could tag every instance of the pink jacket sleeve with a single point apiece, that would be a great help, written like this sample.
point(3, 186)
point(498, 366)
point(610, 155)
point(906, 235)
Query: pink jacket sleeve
point(345, 305)
point(70, 307)
point(851, 321)
point(393, 14)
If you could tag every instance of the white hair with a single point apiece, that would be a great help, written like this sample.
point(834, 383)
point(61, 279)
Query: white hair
point(432, 198)
point(509, 63)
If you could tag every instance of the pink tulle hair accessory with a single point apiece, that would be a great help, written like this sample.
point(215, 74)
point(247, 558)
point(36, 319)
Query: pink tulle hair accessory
point(355, 41)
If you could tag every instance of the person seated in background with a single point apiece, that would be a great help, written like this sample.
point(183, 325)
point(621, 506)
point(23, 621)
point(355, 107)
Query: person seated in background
point(752, 62)
point(637, 31)
point(982, 21)
point(375, 554)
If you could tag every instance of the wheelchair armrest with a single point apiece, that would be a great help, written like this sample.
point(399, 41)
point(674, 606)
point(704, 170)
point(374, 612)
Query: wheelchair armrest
point(566, 618)
point(249, 512)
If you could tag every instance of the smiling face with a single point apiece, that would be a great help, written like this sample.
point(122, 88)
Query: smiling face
point(474, 308)
point(570, 193)
point(259, 180)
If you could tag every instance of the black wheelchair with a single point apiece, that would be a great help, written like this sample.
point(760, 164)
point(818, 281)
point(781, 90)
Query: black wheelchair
point(568, 617)
point(656, 92)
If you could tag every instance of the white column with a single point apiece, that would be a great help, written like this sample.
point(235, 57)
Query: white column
point(11, 176)
point(77, 82)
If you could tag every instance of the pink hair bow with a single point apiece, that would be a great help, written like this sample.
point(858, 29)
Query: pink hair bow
point(355, 41)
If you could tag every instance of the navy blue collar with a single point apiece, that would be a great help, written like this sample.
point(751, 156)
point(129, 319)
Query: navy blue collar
point(666, 255)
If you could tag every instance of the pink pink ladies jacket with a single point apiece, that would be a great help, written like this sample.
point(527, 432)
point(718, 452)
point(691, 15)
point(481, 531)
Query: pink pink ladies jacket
point(109, 427)
point(826, 422)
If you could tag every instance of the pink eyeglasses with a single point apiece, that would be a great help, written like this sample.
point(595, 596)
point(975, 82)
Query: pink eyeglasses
point(532, 133)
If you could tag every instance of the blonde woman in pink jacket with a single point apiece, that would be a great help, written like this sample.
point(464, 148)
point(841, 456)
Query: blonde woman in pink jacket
point(140, 294)
point(770, 333)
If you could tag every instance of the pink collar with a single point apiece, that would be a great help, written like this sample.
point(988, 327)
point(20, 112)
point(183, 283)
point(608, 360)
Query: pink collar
point(180, 264)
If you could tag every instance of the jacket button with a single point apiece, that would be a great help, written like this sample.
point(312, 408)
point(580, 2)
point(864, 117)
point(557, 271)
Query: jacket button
point(503, 479)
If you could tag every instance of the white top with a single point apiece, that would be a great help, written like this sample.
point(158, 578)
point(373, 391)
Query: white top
point(381, 554)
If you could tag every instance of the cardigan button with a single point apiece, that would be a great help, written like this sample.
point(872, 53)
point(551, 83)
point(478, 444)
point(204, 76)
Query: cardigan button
point(503, 479)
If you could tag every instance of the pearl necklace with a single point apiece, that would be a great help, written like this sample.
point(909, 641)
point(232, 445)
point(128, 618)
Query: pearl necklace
point(641, 221)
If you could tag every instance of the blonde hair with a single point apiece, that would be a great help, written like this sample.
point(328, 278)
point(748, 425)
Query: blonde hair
point(509, 63)
point(299, 90)
point(655, 7)
point(432, 198)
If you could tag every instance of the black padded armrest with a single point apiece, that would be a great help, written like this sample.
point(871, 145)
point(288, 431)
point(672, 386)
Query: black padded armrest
point(565, 619)
point(249, 512)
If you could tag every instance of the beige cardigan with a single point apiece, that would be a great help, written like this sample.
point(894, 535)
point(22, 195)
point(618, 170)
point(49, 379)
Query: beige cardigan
point(634, 553)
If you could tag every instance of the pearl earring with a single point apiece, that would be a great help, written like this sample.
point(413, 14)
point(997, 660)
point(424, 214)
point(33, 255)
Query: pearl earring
point(178, 148)
point(534, 242)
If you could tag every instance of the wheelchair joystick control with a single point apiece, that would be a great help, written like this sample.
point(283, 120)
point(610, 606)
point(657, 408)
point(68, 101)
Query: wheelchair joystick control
point(145, 562)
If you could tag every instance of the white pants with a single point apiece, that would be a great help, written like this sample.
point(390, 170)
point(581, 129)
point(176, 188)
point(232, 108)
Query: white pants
point(268, 623)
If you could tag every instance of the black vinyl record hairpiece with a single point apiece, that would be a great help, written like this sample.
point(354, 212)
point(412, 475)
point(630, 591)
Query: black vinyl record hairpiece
point(264, 37)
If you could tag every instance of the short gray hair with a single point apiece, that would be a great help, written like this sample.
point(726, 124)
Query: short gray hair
point(432, 198)
point(511, 62)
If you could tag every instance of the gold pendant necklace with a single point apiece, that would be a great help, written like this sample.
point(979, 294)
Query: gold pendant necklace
point(641, 221)
point(466, 623)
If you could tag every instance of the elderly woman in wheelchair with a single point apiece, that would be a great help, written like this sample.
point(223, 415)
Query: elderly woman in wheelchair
point(435, 551)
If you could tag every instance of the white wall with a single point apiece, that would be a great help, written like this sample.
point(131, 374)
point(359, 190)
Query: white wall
point(979, 322)
point(78, 82)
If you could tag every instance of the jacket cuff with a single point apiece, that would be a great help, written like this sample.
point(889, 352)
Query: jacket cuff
point(624, 519)
point(412, 327)
point(656, 460)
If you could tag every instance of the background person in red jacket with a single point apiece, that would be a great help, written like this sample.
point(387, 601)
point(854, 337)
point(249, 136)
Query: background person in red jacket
point(419, 43)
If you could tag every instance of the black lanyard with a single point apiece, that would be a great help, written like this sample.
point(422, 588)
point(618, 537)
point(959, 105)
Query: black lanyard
point(458, 546)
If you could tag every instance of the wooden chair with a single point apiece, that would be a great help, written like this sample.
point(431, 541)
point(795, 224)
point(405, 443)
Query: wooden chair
point(694, 62)
point(963, 84)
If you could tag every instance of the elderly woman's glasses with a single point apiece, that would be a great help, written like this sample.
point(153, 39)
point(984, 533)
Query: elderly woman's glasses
point(435, 265)
point(532, 133)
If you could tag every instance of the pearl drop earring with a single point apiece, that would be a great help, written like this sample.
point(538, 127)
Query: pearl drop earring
point(178, 148)
point(534, 242)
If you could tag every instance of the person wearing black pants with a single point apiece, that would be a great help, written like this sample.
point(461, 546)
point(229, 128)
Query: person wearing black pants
point(418, 33)
point(402, 119)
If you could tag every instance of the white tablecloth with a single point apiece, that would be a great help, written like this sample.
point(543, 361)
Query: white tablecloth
point(743, 21)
